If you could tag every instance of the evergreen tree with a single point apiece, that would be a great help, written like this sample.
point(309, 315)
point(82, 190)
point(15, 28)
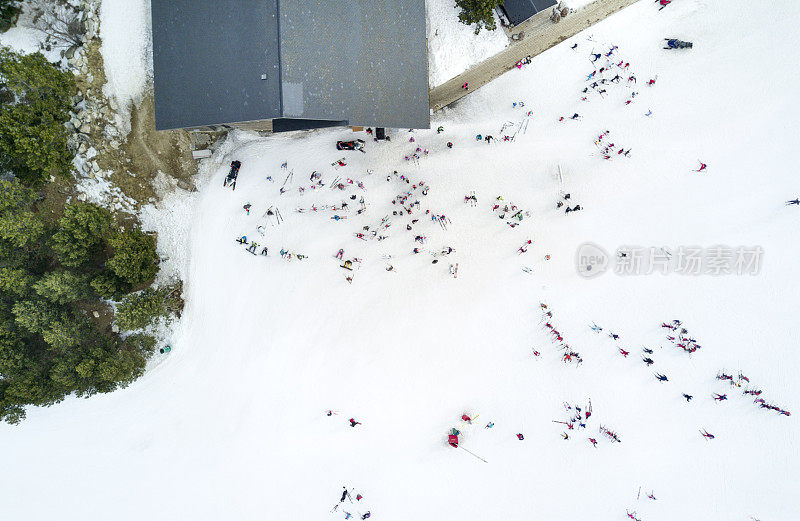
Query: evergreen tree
point(19, 224)
point(82, 234)
point(36, 102)
point(9, 9)
point(135, 260)
point(61, 287)
point(139, 310)
point(15, 283)
point(478, 12)
point(109, 286)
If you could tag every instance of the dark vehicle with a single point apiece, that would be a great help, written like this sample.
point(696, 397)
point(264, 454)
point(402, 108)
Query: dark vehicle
point(358, 144)
point(674, 43)
point(230, 179)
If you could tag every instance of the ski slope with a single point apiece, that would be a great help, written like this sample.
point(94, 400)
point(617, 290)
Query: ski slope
point(232, 425)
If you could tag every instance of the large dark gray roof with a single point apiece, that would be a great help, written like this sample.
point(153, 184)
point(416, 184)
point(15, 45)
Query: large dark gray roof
point(520, 10)
point(208, 59)
point(360, 61)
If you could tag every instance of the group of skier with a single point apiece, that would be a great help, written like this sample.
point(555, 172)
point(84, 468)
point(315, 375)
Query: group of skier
point(740, 381)
point(569, 355)
point(347, 495)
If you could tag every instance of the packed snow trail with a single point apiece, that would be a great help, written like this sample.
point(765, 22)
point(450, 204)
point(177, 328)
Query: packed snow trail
point(232, 423)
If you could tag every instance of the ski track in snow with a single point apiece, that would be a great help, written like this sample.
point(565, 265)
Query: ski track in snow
point(232, 424)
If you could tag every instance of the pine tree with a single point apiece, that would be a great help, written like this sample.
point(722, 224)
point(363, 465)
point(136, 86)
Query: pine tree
point(37, 98)
point(19, 224)
point(135, 260)
point(9, 9)
point(82, 234)
point(62, 287)
point(478, 12)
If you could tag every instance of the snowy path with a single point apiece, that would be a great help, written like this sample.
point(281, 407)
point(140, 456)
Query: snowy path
point(533, 44)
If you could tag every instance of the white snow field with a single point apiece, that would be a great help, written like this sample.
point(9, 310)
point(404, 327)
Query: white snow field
point(232, 425)
point(454, 47)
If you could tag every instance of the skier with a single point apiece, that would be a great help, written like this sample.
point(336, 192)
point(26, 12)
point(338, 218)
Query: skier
point(664, 3)
point(520, 436)
point(465, 86)
point(707, 435)
point(648, 361)
point(440, 129)
point(242, 239)
point(719, 397)
point(624, 353)
point(265, 252)
point(365, 516)
point(651, 496)
point(688, 397)
point(489, 425)
point(488, 139)
point(661, 377)
point(466, 418)
point(648, 351)
point(574, 47)
point(359, 497)
point(340, 254)
point(596, 57)
point(575, 116)
point(703, 166)
point(353, 423)
point(247, 208)
point(593, 442)
point(252, 247)
point(794, 201)
point(449, 144)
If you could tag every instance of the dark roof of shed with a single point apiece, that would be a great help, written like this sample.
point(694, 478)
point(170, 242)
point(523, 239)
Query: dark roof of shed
point(520, 10)
point(360, 61)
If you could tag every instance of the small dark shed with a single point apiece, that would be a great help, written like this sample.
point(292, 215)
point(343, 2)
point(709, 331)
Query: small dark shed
point(518, 11)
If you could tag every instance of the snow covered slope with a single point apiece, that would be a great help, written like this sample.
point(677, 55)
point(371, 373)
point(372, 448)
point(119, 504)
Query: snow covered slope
point(232, 423)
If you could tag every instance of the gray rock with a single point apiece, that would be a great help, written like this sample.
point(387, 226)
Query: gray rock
point(71, 52)
point(85, 128)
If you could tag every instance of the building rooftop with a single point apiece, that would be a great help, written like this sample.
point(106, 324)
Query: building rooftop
point(363, 62)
